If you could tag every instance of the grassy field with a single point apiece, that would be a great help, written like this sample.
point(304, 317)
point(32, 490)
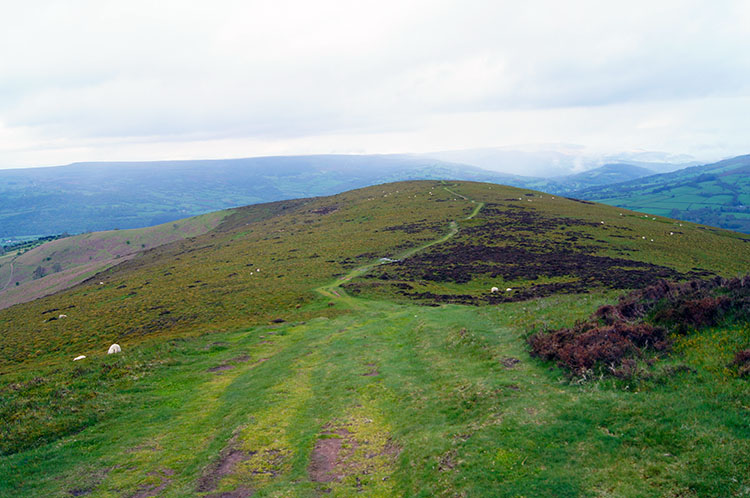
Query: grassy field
point(281, 382)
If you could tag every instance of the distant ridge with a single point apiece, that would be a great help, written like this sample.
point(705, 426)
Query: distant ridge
point(715, 194)
point(83, 197)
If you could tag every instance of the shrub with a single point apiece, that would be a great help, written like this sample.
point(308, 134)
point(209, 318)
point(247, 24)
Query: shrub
point(640, 323)
point(587, 345)
point(742, 362)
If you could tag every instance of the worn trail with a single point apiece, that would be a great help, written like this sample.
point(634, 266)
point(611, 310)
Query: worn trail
point(10, 277)
point(334, 290)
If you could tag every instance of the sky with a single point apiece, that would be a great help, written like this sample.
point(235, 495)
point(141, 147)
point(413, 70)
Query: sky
point(142, 80)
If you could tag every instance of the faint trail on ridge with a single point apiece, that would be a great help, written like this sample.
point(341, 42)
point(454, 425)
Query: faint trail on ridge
point(10, 278)
point(333, 289)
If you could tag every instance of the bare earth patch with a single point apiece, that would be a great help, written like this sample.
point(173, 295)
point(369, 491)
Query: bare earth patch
point(220, 368)
point(147, 490)
point(354, 456)
point(373, 370)
point(325, 456)
point(243, 358)
point(240, 492)
point(510, 362)
point(228, 459)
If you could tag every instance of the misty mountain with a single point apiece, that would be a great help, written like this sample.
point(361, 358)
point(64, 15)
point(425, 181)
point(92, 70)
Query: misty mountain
point(558, 160)
point(604, 175)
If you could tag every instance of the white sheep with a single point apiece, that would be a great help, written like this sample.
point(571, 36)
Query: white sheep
point(494, 289)
point(79, 358)
point(63, 316)
point(114, 348)
point(508, 289)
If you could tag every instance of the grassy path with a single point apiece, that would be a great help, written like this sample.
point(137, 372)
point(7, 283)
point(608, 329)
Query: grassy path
point(10, 278)
point(334, 290)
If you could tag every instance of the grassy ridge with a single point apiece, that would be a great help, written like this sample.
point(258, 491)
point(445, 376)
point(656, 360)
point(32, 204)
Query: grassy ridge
point(360, 394)
point(539, 244)
point(263, 261)
point(258, 265)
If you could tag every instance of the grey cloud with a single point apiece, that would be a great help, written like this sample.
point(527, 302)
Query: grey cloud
point(199, 70)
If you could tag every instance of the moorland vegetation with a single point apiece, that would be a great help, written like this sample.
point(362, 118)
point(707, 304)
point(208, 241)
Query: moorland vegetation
point(350, 345)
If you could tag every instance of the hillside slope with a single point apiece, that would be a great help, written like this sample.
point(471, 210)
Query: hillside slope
point(715, 194)
point(350, 345)
point(604, 175)
point(62, 263)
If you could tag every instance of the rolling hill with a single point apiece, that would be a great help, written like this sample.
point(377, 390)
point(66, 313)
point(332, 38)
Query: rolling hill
point(352, 345)
point(28, 274)
point(715, 194)
point(604, 175)
point(85, 197)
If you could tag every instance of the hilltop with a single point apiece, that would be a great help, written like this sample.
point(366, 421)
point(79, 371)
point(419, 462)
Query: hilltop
point(714, 194)
point(351, 344)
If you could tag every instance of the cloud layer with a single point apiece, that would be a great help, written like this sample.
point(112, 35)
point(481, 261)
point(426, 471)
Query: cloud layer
point(118, 80)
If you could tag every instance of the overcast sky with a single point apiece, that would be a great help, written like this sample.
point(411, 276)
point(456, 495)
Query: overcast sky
point(144, 80)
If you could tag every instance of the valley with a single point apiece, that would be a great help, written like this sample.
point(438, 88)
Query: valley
point(715, 194)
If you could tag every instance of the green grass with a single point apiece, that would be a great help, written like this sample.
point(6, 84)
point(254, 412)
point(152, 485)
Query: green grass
point(425, 401)
point(463, 422)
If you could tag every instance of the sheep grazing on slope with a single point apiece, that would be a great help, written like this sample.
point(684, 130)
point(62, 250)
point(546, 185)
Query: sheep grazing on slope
point(79, 358)
point(494, 289)
point(114, 348)
point(63, 316)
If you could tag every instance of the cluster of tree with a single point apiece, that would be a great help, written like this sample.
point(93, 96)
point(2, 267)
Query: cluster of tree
point(41, 271)
point(30, 244)
point(720, 217)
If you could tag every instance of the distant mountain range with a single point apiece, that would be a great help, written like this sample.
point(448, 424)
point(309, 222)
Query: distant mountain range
point(559, 160)
point(85, 197)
